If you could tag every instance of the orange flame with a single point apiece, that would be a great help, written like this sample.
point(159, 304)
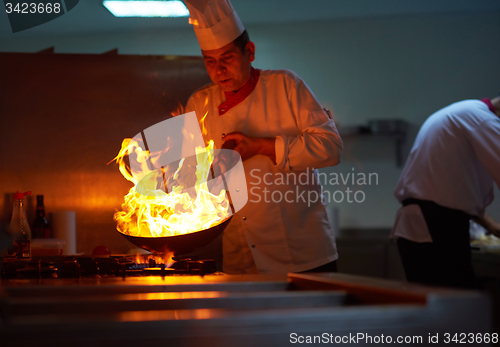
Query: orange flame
point(178, 110)
point(166, 259)
point(149, 211)
point(202, 121)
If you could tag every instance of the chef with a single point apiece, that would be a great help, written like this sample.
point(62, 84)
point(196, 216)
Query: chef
point(274, 121)
point(448, 180)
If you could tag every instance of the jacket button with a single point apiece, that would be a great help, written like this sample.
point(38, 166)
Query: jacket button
point(244, 218)
point(223, 135)
point(253, 246)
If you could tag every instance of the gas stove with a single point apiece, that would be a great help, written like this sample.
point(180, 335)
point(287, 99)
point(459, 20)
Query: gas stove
point(104, 266)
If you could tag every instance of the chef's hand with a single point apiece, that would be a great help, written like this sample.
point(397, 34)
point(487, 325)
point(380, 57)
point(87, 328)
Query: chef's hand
point(495, 230)
point(249, 146)
point(224, 161)
point(491, 225)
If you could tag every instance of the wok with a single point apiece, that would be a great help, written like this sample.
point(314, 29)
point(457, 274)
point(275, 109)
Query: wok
point(187, 243)
point(179, 244)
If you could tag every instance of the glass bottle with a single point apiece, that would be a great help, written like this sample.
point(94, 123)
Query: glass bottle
point(41, 229)
point(20, 229)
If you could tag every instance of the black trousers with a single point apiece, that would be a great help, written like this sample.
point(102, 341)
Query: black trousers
point(447, 260)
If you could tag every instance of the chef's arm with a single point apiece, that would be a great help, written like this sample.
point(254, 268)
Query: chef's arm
point(487, 222)
point(318, 146)
point(309, 150)
point(317, 143)
point(248, 146)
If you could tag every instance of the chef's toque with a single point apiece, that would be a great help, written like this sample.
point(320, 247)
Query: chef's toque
point(215, 22)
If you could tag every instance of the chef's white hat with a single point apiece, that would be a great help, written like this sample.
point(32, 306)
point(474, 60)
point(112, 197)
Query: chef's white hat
point(215, 22)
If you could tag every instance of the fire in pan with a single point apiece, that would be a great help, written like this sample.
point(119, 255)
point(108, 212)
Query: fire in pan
point(183, 205)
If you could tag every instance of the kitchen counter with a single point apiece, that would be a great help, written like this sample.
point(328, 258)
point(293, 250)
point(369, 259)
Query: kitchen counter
point(224, 310)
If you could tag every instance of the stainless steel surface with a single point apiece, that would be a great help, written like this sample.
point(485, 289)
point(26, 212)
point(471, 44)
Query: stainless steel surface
point(224, 310)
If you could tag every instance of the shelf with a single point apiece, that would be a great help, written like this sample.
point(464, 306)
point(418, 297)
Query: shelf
point(378, 130)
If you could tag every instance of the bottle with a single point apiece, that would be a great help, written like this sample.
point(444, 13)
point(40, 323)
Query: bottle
point(20, 229)
point(41, 229)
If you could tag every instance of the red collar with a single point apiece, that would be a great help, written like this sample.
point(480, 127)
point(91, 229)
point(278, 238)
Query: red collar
point(234, 98)
point(490, 105)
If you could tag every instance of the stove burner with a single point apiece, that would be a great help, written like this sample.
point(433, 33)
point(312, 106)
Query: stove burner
point(108, 266)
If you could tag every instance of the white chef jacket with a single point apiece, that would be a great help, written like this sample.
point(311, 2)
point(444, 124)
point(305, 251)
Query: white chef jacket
point(276, 236)
point(453, 162)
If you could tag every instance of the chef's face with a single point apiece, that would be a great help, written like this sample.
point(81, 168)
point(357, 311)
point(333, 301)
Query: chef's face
point(229, 67)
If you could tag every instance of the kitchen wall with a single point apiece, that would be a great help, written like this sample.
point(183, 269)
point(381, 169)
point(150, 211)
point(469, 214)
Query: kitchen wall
point(401, 67)
point(63, 140)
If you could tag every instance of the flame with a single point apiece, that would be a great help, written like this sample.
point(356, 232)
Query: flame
point(149, 211)
point(178, 110)
point(202, 121)
point(167, 259)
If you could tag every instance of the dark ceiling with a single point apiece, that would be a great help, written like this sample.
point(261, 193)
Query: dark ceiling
point(90, 16)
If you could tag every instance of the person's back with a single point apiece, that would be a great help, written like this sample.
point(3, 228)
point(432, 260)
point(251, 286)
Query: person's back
point(446, 164)
point(447, 180)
